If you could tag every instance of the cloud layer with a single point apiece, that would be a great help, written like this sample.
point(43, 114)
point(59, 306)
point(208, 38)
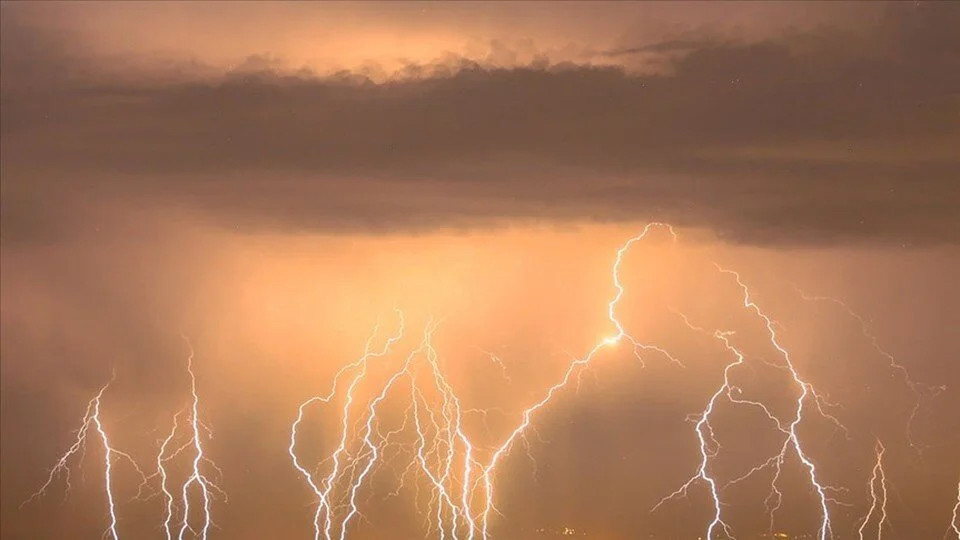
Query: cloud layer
point(815, 137)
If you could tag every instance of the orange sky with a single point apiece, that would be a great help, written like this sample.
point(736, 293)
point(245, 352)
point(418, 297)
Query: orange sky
point(272, 317)
point(351, 35)
point(168, 173)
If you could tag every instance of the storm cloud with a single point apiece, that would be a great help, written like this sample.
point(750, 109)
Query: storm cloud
point(814, 137)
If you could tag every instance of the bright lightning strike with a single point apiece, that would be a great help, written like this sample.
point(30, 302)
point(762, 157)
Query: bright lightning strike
point(323, 488)
point(452, 478)
point(197, 476)
point(462, 483)
point(955, 518)
point(807, 392)
point(709, 447)
point(91, 419)
point(170, 448)
point(462, 487)
point(878, 496)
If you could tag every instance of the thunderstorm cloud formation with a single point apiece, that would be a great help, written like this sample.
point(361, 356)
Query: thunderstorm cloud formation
point(207, 208)
point(813, 136)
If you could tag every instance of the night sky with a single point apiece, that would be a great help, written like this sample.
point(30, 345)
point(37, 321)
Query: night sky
point(267, 185)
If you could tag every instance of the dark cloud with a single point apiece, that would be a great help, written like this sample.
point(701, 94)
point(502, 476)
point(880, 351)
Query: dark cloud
point(817, 137)
point(673, 45)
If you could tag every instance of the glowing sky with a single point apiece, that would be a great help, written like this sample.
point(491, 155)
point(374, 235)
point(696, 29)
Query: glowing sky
point(268, 179)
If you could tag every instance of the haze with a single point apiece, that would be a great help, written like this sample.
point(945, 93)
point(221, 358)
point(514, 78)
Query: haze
point(268, 180)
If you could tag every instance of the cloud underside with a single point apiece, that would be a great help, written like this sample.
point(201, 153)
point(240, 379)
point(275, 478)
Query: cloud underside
point(816, 138)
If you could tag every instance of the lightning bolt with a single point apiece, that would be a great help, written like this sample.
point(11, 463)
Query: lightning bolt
point(162, 472)
point(91, 419)
point(955, 519)
point(709, 447)
point(449, 461)
point(574, 367)
point(92, 422)
point(878, 502)
point(807, 392)
point(429, 446)
point(197, 476)
point(359, 368)
point(442, 438)
point(374, 450)
point(917, 389)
